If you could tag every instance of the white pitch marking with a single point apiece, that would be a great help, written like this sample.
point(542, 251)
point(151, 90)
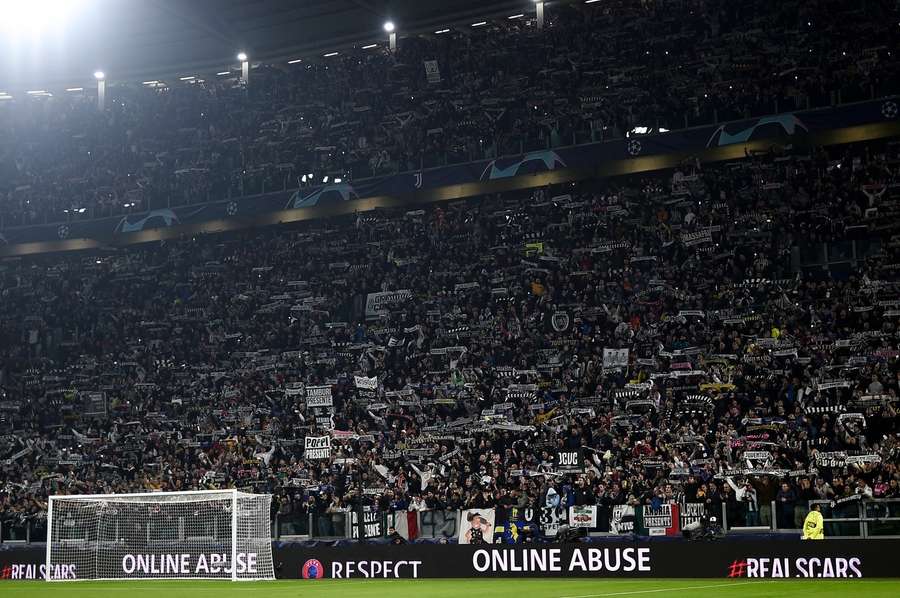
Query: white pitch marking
point(720, 585)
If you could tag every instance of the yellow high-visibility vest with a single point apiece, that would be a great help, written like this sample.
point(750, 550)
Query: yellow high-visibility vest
point(814, 527)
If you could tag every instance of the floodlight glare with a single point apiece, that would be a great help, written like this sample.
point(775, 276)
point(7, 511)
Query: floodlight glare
point(36, 16)
point(242, 56)
point(389, 26)
point(99, 75)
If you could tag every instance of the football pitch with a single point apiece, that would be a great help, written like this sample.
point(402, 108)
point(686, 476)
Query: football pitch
point(470, 588)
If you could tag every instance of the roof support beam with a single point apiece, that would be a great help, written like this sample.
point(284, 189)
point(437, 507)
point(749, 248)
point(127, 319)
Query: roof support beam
point(363, 4)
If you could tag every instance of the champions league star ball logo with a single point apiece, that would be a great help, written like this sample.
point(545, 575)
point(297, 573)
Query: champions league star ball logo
point(889, 110)
point(62, 231)
point(313, 569)
point(232, 208)
point(634, 147)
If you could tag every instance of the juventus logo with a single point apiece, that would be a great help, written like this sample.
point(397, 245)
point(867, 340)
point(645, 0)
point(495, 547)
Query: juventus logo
point(418, 176)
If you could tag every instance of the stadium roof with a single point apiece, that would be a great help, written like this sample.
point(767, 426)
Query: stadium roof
point(141, 38)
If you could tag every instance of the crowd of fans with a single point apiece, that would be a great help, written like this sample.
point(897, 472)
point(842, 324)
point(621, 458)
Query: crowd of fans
point(667, 326)
point(596, 71)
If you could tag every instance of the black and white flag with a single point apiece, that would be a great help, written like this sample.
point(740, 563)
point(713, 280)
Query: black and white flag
point(560, 321)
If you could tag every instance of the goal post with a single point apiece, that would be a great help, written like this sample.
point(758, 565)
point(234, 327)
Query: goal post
point(199, 534)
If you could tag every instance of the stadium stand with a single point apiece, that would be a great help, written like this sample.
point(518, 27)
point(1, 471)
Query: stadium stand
point(593, 73)
point(487, 349)
point(720, 334)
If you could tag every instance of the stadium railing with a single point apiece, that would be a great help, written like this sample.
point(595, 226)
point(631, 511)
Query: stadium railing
point(865, 518)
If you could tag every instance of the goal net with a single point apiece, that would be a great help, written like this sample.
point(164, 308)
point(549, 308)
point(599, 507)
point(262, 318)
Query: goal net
point(204, 534)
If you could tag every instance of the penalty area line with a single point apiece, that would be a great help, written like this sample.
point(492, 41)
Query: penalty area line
point(630, 592)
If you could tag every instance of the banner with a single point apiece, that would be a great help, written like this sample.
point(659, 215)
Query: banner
point(570, 461)
point(373, 524)
point(94, 403)
point(438, 524)
point(317, 447)
point(615, 358)
point(12, 458)
point(318, 396)
point(405, 522)
point(295, 389)
point(662, 521)
point(622, 521)
point(364, 383)
point(510, 523)
point(747, 559)
point(379, 304)
point(583, 516)
point(753, 559)
point(551, 518)
point(432, 71)
point(690, 513)
point(476, 526)
point(691, 239)
point(560, 321)
point(30, 564)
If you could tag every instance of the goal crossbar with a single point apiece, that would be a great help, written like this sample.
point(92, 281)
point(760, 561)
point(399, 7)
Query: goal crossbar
point(140, 494)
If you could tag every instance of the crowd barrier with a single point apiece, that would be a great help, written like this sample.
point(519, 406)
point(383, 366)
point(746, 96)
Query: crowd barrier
point(846, 518)
point(648, 559)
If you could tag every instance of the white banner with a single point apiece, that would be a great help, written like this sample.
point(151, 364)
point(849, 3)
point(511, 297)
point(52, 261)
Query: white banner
point(318, 396)
point(317, 447)
point(475, 523)
point(829, 384)
point(757, 455)
point(378, 304)
point(365, 383)
point(583, 516)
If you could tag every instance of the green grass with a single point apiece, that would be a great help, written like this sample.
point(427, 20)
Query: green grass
point(470, 588)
